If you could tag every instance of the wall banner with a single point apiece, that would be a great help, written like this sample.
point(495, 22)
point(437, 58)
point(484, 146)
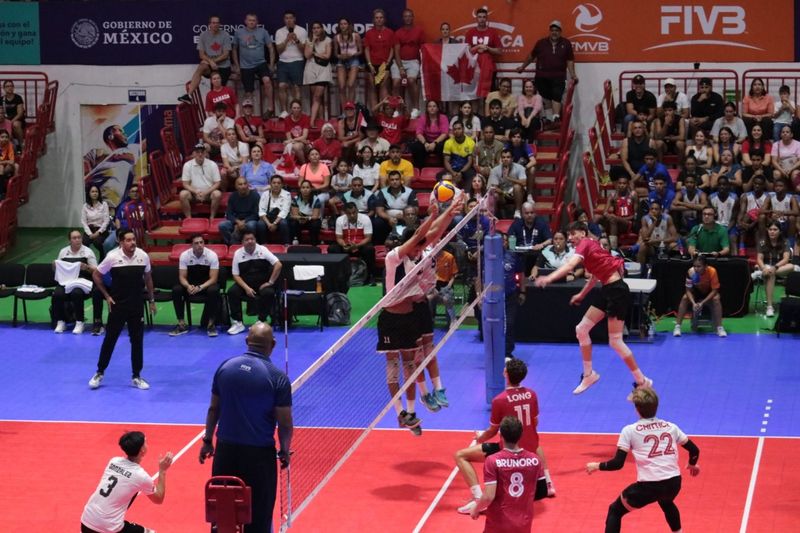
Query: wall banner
point(19, 33)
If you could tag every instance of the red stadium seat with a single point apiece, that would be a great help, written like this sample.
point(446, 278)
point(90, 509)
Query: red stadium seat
point(427, 178)
point(228, 503)
point(190, 226)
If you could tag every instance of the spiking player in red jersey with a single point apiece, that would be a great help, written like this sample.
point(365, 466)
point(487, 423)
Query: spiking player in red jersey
point(654, 445)
point(614, 300)
point(513, 478)
point(517, 401)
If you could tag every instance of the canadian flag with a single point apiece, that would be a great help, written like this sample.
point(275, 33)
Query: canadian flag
point(451, 73)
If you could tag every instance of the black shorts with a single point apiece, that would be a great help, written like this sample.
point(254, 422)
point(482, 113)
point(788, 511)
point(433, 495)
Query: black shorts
point(550, 88)
point(397, 331)
point(129, 527)
point(250, 75)
point(490, 448)
point(424, 318)
point(644, 493)
point(224, 73)
point(615, 298)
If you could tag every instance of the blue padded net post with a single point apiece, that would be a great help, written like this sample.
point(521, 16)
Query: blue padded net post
point(494, 308)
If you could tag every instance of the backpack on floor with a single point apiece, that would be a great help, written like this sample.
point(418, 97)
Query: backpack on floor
point(788, 316)
point(338, 309)
point(358, 273)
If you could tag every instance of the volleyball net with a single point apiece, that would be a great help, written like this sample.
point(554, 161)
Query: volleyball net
point(343, 395)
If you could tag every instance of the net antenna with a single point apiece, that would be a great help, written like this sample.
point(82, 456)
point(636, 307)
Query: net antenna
point(286, 517)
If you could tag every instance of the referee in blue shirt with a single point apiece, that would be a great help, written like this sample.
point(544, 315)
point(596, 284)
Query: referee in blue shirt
point(248, 396)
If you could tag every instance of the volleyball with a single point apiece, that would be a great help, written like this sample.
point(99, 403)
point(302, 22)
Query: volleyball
point(444, 191)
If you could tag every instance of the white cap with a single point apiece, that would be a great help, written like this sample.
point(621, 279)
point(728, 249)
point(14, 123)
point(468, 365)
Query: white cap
point(670, 81)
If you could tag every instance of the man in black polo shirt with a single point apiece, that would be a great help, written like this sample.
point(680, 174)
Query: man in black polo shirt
point(130, 274)
point(500, 123)
point(198, 271)
point(706, 107)
point(248, 396)
point(639, 103)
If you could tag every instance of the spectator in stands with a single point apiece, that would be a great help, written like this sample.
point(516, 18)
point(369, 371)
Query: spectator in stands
point(688, 205)
point(214, 129)
point(729, 168)
point(257, 171)
point(120, 222)
point(701, 150)
point(350, 133)
point(554, 57)
point(702, 288)
point(220, 93)
point(241, 213)
point(14, 106)
point(529, 110)
point(554, 255)
point(640, 104)
point(379, 53)
point(645, 178)
point(509, 180)
point(389, 205)
point(379, 145)
point(297, 126)
point(594, 229)
point(758, 106)
point(318, 175)
point(8, 164)
point(725, 140)
point(390, 114)
point(473, 231)
point(782, 207)
point(368, 170)
point(395, 162)
point(249, 127)
point(254, 57)
point(255, 270)
point(363, 198)
point(532, 232)
point(5, 124)
point(458, 154)
point(726, 205)
point(732, 121)
point(487, 152)
point(525, 155)
point(501, 124)
point(657, 236)
point(235, 153)
point(446, 271)
point(620, 211)
point(773, 260)
point(274, 208)
point(348, 49)
point(306, 214)
point(476, 188)
point(785, 111)
point(214, 49)
point(201, 182)
point(705, 108)
point(507, 99)
point(290, 41)
point(432, 131)
point(632, 151)
point(484, 41)
point(756, 168)
point(471, 121)
point(444, 35)
point(317, 73)
point(198, 273)
point(756, 141)
point(751, 212)
point(786, 158)
point(708, 237)
point(330, 149)
point(94, 219)
point(340, 184)
point(76, 252)
point(410, 221)
point(408, 41)
point(668, 133)
point(673, 95)
point(661, 193)
point(354, 237)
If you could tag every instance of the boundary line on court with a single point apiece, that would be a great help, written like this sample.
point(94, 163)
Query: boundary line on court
point(751, 489)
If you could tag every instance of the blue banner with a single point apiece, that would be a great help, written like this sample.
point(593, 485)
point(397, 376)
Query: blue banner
point(165, 32)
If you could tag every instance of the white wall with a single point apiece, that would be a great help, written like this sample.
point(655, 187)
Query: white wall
point(57, 195)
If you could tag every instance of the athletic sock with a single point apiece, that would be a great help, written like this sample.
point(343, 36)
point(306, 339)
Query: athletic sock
point(587, 368)
point(398, 407)
point(547, 475)
point(638, 376)
point(411, 405)
point(437, 383)
point(476, 491)
point(423, 387)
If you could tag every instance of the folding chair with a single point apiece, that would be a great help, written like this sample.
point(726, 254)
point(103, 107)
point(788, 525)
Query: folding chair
point(228, 503)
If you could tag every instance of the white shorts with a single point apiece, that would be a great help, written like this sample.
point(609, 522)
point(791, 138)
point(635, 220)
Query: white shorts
point(411, 66)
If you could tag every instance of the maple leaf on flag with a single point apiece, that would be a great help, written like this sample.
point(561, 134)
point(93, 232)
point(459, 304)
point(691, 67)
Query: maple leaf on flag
point(461, 71)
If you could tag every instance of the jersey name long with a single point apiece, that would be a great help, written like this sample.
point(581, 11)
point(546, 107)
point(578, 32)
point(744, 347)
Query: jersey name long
point(654, 443)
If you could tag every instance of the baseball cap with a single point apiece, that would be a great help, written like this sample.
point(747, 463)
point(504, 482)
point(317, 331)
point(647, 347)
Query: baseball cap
point(394, 101)
point(247, 102)
point(199, 146)
point(349, 105)
point(556, 23)
point(670, 81)
point(638, 79)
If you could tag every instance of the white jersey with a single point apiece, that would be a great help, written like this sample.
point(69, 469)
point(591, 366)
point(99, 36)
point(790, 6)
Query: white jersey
point(396, 269)
point(780, 205)
point(755, 202)
point(121, 481)
point(208, 258)
point(724, 208)
point(84, 253)
point(654, 443)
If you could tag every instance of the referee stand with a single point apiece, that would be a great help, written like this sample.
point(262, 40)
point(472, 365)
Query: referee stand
point(228, 504)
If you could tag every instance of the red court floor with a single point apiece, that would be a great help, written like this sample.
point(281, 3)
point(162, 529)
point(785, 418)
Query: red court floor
point(51, 468)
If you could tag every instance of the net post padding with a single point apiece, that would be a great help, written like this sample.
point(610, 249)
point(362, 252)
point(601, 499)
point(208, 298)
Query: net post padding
point(494, 314)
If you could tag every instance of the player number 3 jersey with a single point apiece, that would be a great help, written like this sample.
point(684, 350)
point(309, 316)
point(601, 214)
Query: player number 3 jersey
point(654, 443)
point(122, 479)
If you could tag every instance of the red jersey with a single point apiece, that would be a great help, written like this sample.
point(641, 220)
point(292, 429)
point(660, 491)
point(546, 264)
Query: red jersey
point(522, 403)
point(487, 37)
point(624, 206)
point(410, 41)
point(296, 127)
point(250, 125)
point(599, 262)
point(224, 95)
point(392, 127)
point(516, 475)
point(328, 151)
point(380, 43)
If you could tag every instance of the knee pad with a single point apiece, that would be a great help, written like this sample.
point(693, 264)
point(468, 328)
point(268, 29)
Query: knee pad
point(392, 369)
point(582, 331)
point(618, 345)
point(409, 365)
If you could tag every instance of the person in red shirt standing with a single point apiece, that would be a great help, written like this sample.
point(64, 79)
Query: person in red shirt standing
point(485, 42)
point(378, 52)
point(408, 41)
point(614, 300)
point(516, 401)
point(509, 477)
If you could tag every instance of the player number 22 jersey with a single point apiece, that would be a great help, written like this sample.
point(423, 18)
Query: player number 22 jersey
point(654, 443)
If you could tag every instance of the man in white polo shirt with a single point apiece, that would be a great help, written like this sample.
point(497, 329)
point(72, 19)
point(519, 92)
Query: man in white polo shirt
point(201, 182)
point(255, 270)
point(354, 237)
point(198, 272)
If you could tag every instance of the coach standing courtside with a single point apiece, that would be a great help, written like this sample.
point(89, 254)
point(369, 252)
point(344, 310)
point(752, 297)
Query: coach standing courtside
point(248, 395)
point(130, 273)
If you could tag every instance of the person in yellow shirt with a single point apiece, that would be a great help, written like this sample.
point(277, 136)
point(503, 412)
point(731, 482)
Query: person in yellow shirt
point(458, 151)
point(396, 162)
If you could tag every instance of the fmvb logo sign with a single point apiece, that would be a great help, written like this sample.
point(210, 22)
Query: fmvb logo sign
point(700, 24)
point(587, 41)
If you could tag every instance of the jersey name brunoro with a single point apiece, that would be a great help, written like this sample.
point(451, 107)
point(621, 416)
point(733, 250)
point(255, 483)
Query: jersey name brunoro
point(517, 396)
point(119, 470)
point(517, 463)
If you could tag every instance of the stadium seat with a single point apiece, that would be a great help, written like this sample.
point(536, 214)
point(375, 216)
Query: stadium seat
point(38, 274)
point(427, 178)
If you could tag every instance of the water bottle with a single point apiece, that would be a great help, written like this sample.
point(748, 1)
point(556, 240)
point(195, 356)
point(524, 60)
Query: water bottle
point(681, 248)
point(661, 250)
point(319, 284)
point(512, 242)
point(295, 242)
